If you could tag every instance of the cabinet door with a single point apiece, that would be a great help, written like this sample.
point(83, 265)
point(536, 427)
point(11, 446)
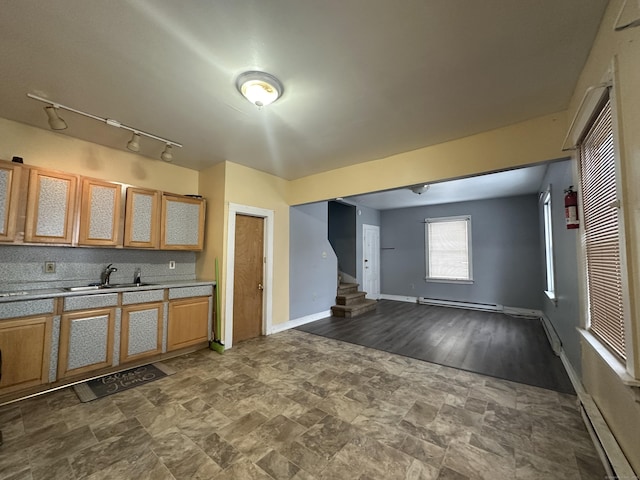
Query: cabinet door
point(9, 181)
point(182, 223)
point(24, 346)
point(188, 322)
point(100, 213)
point(142, 223)
point(86, 341)
point(141, 331)
point(50, 207)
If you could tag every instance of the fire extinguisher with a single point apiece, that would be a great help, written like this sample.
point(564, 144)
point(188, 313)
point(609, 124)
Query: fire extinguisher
point(571, 208)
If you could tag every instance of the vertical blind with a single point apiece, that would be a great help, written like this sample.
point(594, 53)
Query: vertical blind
point(602, 230)
point(448, 249)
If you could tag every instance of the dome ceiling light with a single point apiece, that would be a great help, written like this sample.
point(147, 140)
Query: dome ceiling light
point(259, 88)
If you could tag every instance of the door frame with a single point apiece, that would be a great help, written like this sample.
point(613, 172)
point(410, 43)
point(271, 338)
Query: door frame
point(267, 296)
point(365, 227)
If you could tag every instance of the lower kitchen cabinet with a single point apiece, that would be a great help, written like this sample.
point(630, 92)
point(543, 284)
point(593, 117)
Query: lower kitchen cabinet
point(86, 341)
point(188, 322)
point(24, 350)
point(141, 334)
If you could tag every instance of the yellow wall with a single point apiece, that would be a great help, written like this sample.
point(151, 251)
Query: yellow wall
point(44, 148)
point(524, 143)
point(614, 400)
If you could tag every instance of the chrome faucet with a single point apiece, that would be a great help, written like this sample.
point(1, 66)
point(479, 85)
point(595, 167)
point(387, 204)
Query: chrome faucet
point(136, 276)
point(106, 274)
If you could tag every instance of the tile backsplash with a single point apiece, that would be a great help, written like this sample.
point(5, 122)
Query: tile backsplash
point(23, 267)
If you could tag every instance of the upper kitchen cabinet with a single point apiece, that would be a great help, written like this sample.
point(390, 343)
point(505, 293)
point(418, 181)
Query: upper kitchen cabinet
point(100, 213)
point(182, 223)
point(50, 207)
point(9, 187)
point(142, 218)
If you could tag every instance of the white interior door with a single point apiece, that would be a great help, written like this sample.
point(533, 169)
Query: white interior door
point(371, 261)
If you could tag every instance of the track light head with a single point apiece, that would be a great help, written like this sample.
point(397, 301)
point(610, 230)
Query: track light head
point(166, 155)
point(134, 143)
point(55, 122)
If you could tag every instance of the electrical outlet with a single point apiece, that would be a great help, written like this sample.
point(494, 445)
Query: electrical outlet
point(172, 264)
point(49, 267)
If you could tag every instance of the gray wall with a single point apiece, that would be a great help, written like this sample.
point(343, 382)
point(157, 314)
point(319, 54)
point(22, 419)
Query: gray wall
point(564, 314)
point(313, 276)
point(364, 216)
point(505, 248)
point(342, 235)
point(22, 266)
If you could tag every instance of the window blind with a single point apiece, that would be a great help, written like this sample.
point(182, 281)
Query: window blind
point(448, 249)
point(602, 230)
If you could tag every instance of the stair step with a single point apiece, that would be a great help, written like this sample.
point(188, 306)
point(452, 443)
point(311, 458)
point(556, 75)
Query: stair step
point(350, 311)
point(351, 298)
point(344, 288)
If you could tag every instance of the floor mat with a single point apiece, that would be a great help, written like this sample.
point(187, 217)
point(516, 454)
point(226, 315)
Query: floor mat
point(120, 381)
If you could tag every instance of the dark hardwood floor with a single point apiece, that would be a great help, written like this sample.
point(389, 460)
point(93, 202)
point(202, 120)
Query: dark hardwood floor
point(489, 343)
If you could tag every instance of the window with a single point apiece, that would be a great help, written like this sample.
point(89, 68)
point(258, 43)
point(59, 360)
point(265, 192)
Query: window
point(448, 249)
point(602, 233)
point(550, 285)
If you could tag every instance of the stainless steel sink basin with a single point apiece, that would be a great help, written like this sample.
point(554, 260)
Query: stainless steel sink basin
point(88, 288)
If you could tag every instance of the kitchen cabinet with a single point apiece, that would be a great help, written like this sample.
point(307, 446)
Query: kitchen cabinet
point(141, 334)
point(182, 223)
point(50, 207)
point(142, 218)
point(9, 187)
point(86, 341)
point(100, 213)
point(188, 322)
point(24, 348)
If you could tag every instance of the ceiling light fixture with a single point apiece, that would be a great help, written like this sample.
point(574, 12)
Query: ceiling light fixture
point(419, 189)
point(259, 88)
point(166, 155)
point(134, 143)
point(57, 123)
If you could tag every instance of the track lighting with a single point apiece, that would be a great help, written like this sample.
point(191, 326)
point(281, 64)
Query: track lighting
point(134, 143)
point(166, 155)
point(419, 189)
point(57, 123)
point(259, 88)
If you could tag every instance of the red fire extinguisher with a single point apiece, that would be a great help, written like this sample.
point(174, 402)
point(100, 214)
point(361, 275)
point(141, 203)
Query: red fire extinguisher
point(571, 208)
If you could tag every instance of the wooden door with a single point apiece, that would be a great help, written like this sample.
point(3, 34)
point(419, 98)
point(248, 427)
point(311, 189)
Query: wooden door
point(188, 322)
point(141, 332)
point(100, 213)
point(9, 191)
point(142, 223)
point(182, 223)
point(248, 282)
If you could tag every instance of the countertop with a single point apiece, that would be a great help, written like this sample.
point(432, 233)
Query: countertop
point(25, 294)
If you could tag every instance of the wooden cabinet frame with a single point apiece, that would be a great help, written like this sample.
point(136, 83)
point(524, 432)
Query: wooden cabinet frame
point(164, 241)
point(8, 228)
point(129, 217)
point(33, 204)
point(124, 331)
point(65, 337)
point(89, 187)
point(188, 322)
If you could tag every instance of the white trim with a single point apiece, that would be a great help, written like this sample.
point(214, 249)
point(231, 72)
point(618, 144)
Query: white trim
point(552, 336)
point(573, 375)
point(610, 359)
point(267, 311)
point(370, 228)
point(296, 322)
point(398, 298)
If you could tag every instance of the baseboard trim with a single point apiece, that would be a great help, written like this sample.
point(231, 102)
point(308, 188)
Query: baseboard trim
point(296, 322)
point(398, 298)
point(555, 342)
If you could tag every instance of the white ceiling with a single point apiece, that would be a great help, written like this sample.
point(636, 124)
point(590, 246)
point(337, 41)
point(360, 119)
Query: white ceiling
point(363, 79)
point(509, 183)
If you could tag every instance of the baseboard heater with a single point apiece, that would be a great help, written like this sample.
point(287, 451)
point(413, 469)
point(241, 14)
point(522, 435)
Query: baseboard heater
point(487, 307)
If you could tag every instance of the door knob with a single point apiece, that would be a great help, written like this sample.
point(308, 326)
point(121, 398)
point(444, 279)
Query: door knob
point(260, 286)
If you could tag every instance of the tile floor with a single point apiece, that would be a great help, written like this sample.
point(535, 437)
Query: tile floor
point(299, 406)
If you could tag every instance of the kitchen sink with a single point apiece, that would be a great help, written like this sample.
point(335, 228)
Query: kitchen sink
point(88, 288)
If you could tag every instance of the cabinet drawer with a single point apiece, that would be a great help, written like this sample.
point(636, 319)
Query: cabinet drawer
point(86, 302)
point(186, 292)
point(145, 296)
point(26, 308)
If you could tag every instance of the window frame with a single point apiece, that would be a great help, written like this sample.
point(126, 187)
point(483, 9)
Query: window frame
point(547, 225)
point(427, 250)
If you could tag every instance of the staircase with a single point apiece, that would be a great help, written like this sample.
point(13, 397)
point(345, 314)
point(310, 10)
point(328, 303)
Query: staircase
point(351, 302)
